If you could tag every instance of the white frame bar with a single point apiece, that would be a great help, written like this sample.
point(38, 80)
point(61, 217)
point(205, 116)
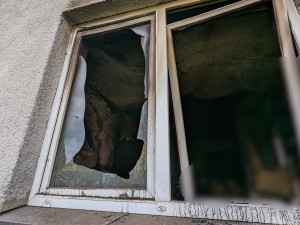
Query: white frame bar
point(212, 14)
point(60, 118)
point(283, 29)
point(52, 120)
point(294, 19)
point(177, 108)
point(162, 156)
point(117, 26)
point(233, 212)
point(180, 131)
point(151, 111)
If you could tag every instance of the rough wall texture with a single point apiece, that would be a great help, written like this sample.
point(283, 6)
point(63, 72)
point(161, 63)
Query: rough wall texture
point(34, 39)
point(32, 52)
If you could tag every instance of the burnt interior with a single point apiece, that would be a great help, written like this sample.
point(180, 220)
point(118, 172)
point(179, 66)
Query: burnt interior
point(236, 116)
point(114, 94)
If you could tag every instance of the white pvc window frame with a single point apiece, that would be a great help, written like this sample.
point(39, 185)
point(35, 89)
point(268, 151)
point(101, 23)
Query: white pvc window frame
point(287, 51)
point(104, 192)
point(156, 199)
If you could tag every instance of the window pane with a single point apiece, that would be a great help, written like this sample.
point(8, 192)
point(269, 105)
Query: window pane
point(237, 122)
point(182, 13)
point(103, 139)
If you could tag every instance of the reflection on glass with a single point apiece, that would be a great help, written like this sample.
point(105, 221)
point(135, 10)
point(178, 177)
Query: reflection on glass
point(238, 128)
point(104, 136)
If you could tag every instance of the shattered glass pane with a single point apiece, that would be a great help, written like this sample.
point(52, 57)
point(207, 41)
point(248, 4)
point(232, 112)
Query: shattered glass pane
point(238, 127)
point(104, 135)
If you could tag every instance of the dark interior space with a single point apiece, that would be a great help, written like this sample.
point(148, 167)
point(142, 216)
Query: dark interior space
point(114, 97)
point(238, 128)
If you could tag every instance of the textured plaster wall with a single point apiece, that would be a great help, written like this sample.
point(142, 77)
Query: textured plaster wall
point(33, 40)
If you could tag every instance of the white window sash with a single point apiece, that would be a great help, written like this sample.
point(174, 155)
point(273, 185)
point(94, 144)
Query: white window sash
point(59, 112)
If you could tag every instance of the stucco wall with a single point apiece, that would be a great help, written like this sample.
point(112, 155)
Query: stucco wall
point(32, 52)
point(34, 38)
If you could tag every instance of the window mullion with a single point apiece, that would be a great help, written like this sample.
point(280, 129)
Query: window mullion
point(162, 153)
point(289, 63)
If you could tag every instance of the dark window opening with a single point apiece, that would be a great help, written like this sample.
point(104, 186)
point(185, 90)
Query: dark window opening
point(194, 10)
point(107, 148)
point(237, 122)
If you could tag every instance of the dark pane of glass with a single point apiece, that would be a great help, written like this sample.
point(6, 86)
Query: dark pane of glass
point(103, 139)
point(237, 122)
point(194, 10)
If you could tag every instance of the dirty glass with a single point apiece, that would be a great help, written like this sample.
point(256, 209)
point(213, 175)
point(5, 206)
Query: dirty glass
point(182, 13)
point(103, 142)
point(238, 127)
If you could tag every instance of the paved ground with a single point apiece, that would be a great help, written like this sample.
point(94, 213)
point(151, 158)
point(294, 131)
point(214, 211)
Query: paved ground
point(47, 216)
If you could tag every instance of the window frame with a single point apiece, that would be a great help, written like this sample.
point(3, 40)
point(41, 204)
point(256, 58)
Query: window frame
point(157, 199)
point(103, 192)
point(287, 50)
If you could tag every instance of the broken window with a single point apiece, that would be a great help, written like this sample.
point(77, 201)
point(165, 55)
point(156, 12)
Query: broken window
point(226, 118)
point(237, 125)
point(103, 142)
